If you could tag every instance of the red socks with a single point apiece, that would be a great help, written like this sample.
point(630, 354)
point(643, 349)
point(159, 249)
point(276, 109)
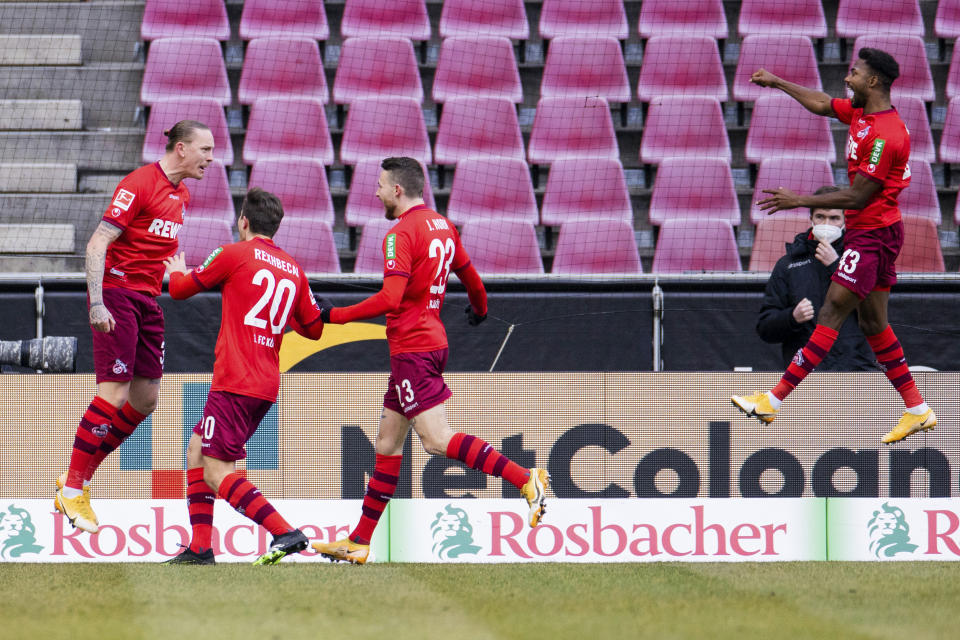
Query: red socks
point(94, 425)
point(890, 356)
point(806, 360)
point(479, 455)
point(200, 501)
point(123, 424)
point(382, 485)
point(248, 501)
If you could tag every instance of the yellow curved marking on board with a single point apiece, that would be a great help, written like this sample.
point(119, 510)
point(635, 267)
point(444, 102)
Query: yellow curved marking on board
point(296, 348)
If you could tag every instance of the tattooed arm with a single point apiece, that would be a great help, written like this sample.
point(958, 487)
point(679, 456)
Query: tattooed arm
point(100, 317)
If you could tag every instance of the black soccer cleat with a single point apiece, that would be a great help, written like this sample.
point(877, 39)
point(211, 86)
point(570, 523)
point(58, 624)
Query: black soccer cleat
point(286, 543)
point(189, 556)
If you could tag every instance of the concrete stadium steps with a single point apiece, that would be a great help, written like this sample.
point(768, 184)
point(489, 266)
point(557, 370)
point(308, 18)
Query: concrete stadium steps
point(37, 238)
point(38, 178)
point(41, 115)
point(40, 49)
point(81, 211)
point(117, 150)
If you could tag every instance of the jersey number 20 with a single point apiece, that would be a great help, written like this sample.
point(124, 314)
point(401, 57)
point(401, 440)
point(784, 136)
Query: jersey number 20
point(273, 294)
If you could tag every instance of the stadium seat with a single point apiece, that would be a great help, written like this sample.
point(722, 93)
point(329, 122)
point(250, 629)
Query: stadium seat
point(572, 127)
point(797, 174)
point(856, 18)
point(166, 113)
point(921, 246)
point(683, 17)
point(310, 243)
point(376, 19)
point(477, 66)
point(287, 128)
point(210, 197)
point(200, 236)
point(506, 18)
point(184, 19)
point(585, 189)
point(684, 65)
point(808, 135)
point(684, 127)
point(946, 22)
point(362, 202)
point(502, 246)
point(914, 114)
point(773, 234)
point(795, 18)
point(909, 51)
point(478, 127)
point(696, 244)
point(950, 138)
point(380, 128)
point(301, 186)
point(596, 246)
point(593, 18)
point(370, 248)
point(790, 57)
point(495, 188)
point(282, 68)
point(953, 75)
point(920, 198)
point(185, 68)
point(582, 66)
point(379, 67)
point(284, 18)
point(694, 188)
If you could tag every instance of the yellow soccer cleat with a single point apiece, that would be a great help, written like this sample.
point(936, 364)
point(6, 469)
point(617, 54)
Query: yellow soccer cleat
point(756, 406)
point(345, 550)
point(62, 482)
point(535, 492)
point(77, 510)
point(909, 424)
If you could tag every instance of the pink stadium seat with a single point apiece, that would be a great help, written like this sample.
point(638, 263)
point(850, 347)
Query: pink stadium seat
point(284, 18)
point(920, 198)
point(683, 17)
point(694, 188)
point(684, 127)
point(914, 114)
point(282, 68)
point(185, 68)
point(909, 51)
point(301, 186)
point(946, 23)
point(210, 197)
point(921, 246)
point(581, 189)
point(502, 246)
point(790, 57)
point(950, 139)
point(481, 66)
point(953, 75)
point(585, 66)
point(287, 128)
point(310, 243)
point(370, 247)
point(166, 113)
point(495, 188)
point(800, 175)
point(596, 246)
point(185, 19)
point(572, 127)
point(478, 127)
point(362, 202)
point(200, 236)
point(696, 244)
point(594, 18)
point(507, 18)
point(685, 65)
point(795, 18)
point(773, 234)
point(376, 18)
point(380, 128)
point(856, 18)
point(377, 68)
point(808, 135)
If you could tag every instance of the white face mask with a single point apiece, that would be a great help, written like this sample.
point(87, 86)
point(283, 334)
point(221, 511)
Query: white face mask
point(826, 232)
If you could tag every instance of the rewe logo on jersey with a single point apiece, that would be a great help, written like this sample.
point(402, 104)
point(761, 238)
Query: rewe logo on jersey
point(164, 228)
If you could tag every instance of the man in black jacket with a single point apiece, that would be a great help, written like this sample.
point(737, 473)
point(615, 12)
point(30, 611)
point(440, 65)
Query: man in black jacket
point(795, 293)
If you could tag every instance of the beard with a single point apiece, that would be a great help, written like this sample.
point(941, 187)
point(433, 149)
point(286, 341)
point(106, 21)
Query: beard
point(858, 101)
point(389, 211)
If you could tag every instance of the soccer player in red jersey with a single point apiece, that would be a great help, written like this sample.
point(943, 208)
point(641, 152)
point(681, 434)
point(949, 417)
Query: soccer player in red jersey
point(878, 149)
point(419, 253)
point(124, 271)
point(263, 291)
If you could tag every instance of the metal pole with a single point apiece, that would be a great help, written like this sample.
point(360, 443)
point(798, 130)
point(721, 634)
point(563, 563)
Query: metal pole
point(657, 296)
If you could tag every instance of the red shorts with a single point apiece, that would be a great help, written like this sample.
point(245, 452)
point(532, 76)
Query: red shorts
point(229, 420)
point(135, 346)
point(416, 382)
point(869, 257)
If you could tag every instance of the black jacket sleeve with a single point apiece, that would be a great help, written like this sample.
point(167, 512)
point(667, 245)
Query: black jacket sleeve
point(775, 324)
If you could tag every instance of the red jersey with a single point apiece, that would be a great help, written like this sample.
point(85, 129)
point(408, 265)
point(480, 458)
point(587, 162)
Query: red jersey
point(878, 147)
point(149, 211)
point(263, 290)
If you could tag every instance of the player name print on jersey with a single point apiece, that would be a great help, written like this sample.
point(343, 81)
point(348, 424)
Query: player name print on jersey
point(273, 260)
